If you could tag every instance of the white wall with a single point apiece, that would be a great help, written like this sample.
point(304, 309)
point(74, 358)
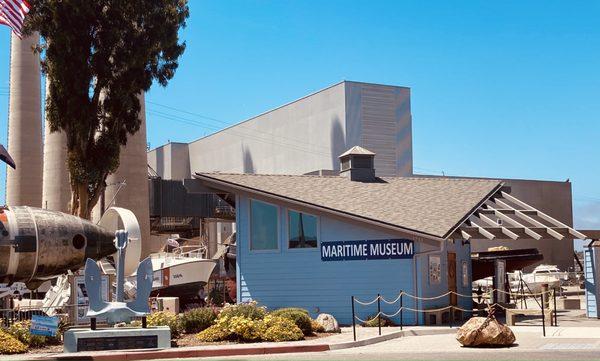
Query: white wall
point(305, 135)
point(300, 137)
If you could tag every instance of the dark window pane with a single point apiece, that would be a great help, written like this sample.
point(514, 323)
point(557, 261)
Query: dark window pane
point(361, 162)
point(263, 226)
point(302, 230)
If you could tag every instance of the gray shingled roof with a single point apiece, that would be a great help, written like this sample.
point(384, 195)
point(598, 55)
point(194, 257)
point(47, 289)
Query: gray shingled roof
point(432, 206)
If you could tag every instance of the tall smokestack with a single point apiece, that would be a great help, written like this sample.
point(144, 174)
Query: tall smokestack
point(133, 170)
point(56, 192)
point(24, 184)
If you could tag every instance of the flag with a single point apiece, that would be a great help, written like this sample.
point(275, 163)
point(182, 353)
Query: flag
point(12, 13)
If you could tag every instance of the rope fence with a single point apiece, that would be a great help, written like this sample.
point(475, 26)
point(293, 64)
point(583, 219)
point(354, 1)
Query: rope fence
point(544, 295)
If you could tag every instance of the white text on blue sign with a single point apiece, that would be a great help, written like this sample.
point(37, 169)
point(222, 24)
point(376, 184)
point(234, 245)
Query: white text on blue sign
point(367, 249)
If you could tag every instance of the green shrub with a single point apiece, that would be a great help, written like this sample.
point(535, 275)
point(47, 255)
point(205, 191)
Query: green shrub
point(293, 309)
point(299, 316)
point(279, 329)
point(373, 322)
point(10, 345)
point(248, 310)
point(236, 328)
point(165, 318)
point(243, 329)
point(20, 331)
point(316, 327)
point(197, 319)
point(214, 333)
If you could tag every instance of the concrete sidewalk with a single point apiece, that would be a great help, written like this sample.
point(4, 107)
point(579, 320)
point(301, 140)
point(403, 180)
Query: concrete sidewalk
point(530, 345)
point(578, 332)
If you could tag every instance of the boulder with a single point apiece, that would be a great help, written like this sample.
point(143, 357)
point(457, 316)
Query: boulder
point(328, 322)
point(482, 331)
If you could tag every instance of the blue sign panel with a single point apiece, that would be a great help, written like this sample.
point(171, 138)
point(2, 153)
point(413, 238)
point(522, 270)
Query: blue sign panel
point(367, 249)
point(43, 325)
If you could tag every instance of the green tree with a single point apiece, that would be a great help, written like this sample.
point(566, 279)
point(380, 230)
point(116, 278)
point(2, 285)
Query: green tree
point(99, 56)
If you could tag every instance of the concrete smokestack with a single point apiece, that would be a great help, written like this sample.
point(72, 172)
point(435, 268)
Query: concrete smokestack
point(56, 191)
point(24, 184)
point(133, 169)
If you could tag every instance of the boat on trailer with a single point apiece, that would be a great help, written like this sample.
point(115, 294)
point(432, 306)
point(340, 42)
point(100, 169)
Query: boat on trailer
point(181, 272)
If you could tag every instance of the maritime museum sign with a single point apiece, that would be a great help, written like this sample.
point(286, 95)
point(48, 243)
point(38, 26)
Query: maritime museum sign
point(367, 249)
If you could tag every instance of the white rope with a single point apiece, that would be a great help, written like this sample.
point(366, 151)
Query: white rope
point(393, 314)
point(484, 298)
point(463, 295)
point(462, 309)
point(366, 303)
point(394, 301)
point(429, 298)
point(363, 321)
point(429, 310)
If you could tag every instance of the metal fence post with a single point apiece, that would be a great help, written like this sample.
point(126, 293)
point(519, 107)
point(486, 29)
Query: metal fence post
point(401, 311)
point(379, 312)
point(555, 314)
point(543, 317)
point(353, 319)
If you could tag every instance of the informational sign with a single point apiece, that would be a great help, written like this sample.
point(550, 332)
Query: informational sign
point(116, 343)
point(500, 280)
point(435, 270)
point(465, 274)
point(43, 325)
point(82, 297)
point(367, 250)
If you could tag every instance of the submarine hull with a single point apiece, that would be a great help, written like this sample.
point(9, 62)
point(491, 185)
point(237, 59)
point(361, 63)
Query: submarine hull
point(38, 244)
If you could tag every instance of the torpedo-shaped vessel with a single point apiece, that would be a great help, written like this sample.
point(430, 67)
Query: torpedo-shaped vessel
point(38, 244)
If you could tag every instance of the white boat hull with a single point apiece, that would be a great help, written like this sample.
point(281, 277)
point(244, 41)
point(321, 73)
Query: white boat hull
point(182, 279)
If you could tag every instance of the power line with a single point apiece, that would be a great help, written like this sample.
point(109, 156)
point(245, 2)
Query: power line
point(236, 133)
point(239, 125)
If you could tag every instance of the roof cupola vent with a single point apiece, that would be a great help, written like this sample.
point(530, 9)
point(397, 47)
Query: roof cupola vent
point(358, 164)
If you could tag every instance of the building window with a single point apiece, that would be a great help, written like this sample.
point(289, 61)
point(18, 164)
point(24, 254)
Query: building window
point(263, 226)
point(302, 230)
point(346, 164)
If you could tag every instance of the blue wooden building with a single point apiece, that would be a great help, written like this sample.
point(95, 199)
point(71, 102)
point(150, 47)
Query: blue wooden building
point(316, 241)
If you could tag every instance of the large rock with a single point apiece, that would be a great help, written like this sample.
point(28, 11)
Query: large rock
point(328, 322)
point(481, 331)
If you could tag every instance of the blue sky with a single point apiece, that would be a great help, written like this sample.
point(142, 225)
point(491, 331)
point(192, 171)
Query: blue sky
point(499, 89)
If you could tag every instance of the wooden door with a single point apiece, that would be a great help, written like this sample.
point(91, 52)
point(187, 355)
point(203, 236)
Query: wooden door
point(452, 277)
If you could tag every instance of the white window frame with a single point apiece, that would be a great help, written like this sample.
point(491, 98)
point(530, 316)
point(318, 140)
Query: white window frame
point(278, 222)
point(287, 231)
